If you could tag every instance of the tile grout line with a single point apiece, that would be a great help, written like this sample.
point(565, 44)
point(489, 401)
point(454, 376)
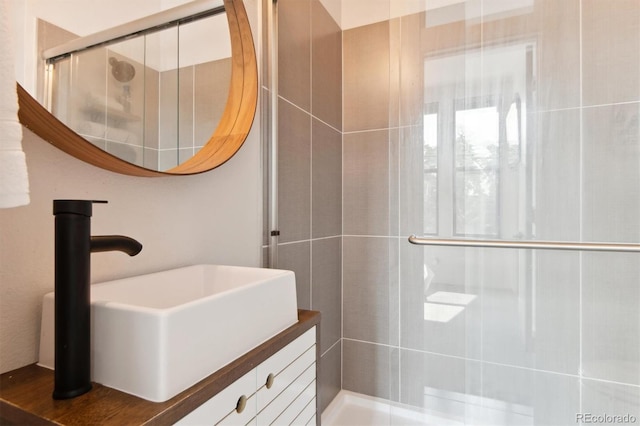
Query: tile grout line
point(342, 116)
point(308, 113)
point(330, 348)
point(580, 213)
point(577, 376)
point(481, 253)
point(398, 209)
point(309, 240)
point(311, 138)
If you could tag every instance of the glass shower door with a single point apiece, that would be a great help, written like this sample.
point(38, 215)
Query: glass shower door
point(520, 134)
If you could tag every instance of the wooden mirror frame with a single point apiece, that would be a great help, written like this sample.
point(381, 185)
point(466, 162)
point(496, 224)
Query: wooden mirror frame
point(228, 137)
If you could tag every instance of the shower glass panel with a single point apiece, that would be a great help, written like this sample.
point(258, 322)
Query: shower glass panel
point(104, 109)
point(430, 156)
point(123, 101)
point(163, 94)
point(476, 166)
point(517, 120)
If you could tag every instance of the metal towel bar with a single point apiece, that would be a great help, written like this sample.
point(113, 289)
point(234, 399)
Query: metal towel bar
point(522, 244)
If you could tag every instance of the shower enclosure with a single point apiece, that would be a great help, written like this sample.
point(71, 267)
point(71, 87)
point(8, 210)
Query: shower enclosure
point(486, 120)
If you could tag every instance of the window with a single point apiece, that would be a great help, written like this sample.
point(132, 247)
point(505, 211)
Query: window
point(477, 161)
point(430, 157)
point(474, 149)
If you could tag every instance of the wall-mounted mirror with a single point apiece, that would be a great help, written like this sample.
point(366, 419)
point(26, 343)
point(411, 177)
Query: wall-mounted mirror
point(172, 91)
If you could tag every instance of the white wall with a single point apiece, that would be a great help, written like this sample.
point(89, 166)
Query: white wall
point(356, 13)
point(85, 18)
point(213, 217)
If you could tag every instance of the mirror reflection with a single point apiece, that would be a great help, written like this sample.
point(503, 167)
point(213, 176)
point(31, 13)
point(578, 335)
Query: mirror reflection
point(146, 92)
point(151, 99)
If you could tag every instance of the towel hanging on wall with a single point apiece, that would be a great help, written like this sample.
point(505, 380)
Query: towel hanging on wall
point(14, 181)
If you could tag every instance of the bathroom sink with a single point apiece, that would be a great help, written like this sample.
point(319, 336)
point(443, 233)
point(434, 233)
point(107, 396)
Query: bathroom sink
point(156, 335)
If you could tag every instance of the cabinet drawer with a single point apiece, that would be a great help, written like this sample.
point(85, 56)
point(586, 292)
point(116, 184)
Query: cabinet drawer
point(305, 382)
point(279, 361)
point(297, 406)
point(282, 380)
point(288, 398)
point(241, 419)
point(221, 405)
point(307, 413)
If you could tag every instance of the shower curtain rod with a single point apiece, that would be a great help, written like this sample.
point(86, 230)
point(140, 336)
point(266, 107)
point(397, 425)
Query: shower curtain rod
point(200, 8)
point(523, 244)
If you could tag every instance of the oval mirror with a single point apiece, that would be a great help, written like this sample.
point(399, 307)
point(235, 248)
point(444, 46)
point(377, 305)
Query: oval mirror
point(170, 92)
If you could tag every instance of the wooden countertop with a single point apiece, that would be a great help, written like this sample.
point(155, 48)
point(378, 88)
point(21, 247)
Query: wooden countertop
point(25, 393)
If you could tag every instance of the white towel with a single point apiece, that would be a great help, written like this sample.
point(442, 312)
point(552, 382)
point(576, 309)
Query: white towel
point(14, 181)
point(14, 186)
point(10, 135)
point(8, 95)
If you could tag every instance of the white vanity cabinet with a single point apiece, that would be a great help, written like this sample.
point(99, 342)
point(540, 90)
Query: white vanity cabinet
point(279, 391)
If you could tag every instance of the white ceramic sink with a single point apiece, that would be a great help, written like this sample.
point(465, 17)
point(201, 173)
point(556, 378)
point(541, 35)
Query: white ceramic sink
point(156, 335)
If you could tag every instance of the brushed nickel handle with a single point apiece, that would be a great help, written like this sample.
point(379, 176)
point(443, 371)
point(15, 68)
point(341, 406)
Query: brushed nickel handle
point(242, 404)
point(522, 244)
point(270, 380)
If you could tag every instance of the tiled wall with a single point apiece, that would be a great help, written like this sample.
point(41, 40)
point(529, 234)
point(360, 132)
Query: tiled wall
point(548, 334)
point(310, 170)
point(371, 244)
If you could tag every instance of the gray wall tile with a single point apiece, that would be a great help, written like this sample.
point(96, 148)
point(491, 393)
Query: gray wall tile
point(326, 283)
point(326, 180)
point(611, 173)
point(610, 45)
point(294, 173)
point(411, 180)
point(366, 77)
point(151, 112)
point(437, 382)
point(212, 81)
point(520, 396)
point(614, 399)
point(611, 207)
point(296, 257)
point(186, 113)
point(558, 53)
point(366, 368)
point(168, 133)
point(330, 375)
point(557, 175)
point(411, 75)
point(368, 280)
point(610, 318)
point(366, 183)
point(294, 52)
point(326, 76)
point(449, 329)
point(520, 325)
point(557, 301)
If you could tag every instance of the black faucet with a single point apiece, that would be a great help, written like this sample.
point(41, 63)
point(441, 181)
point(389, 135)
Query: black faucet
point(73, 247)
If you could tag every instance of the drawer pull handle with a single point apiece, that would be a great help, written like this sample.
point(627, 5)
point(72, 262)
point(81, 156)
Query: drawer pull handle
point(242, 403)
point(270, 379)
